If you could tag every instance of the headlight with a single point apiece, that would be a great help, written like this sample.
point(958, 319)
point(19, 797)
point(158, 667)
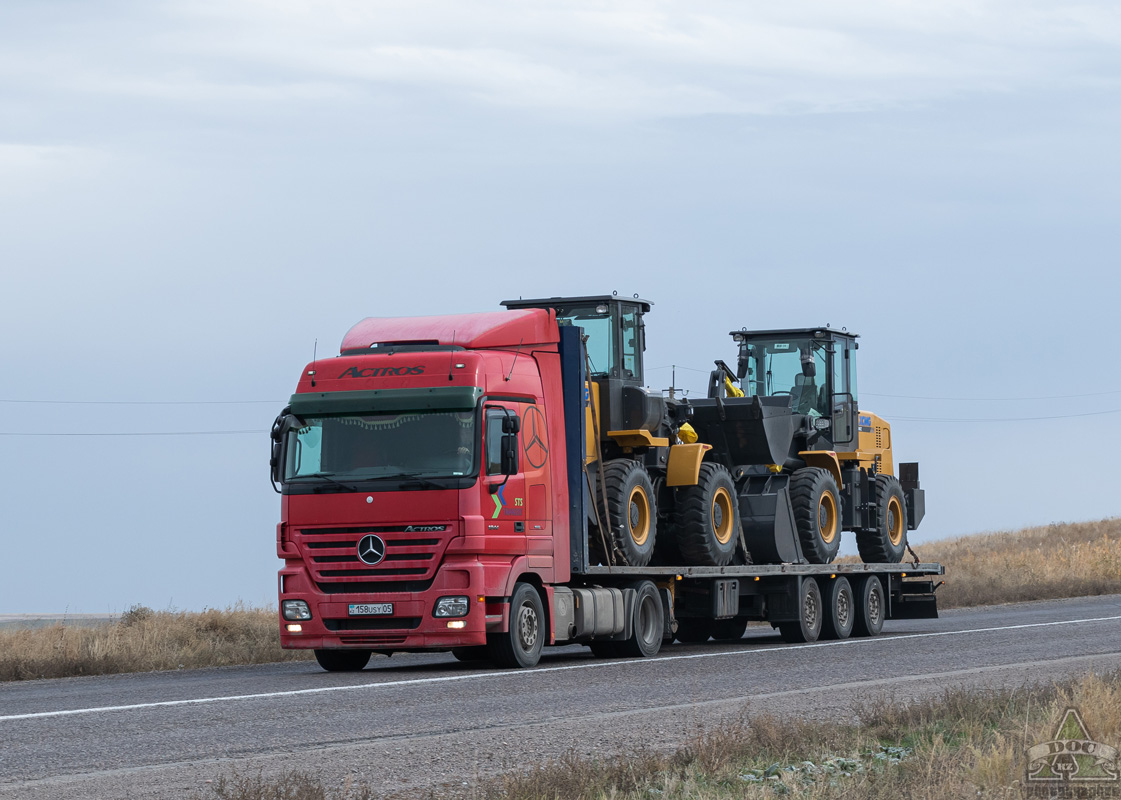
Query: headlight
point(452, 606)
point(295, 609)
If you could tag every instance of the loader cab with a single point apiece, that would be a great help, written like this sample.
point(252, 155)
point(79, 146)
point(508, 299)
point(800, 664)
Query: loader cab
point(814, 367)
point(616, 339)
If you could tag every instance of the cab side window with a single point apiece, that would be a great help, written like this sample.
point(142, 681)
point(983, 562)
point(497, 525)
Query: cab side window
point(494, 439)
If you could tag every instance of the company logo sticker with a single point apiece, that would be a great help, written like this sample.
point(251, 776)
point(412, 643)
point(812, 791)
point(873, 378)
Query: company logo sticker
point(1072, 764)
point(534, 437)
point(380, 372)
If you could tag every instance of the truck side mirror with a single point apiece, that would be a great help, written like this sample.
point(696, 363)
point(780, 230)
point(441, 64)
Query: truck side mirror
point(510, 424)
point(509, 451)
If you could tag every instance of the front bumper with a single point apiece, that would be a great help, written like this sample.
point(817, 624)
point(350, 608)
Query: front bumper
point(411, 626)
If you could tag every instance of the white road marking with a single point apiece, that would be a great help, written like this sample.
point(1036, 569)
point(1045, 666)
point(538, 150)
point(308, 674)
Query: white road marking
point(538, 671)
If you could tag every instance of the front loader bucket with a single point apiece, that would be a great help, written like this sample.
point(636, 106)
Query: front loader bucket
point(745, 430)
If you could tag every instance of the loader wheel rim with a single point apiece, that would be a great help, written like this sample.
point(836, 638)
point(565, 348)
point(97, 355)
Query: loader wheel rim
point(638, 516)
point(894, 521)
point(827, 517)
point(723, 520)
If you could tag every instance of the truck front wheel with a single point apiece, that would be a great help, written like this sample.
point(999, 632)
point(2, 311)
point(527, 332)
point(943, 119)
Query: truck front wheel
point(343, 660)
point(520, 646)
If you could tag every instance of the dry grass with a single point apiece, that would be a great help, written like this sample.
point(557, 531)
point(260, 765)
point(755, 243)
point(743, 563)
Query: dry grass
point(963, 744)
point(143, 640)
point(1060, 560)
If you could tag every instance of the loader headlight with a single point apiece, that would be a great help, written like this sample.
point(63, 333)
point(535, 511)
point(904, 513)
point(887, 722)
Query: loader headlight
point(295, 609)
point(739, 338)
point(822, 423)
point(456, 606)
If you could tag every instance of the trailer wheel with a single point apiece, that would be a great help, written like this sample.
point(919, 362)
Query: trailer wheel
point(887, 542)
point(693, 630)
point(817, 513)
point(840, 611)
point(520, 646)
point(729, 630)
point(630, 502)
point(343, 660)
point(808, 626)
point(708, 514)
point(870, 607)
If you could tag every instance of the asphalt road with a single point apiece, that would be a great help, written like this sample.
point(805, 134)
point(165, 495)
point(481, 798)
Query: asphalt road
point(424, 721)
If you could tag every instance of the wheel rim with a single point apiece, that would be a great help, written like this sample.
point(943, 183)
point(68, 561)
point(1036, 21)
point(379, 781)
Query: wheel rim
point(527, 626)
point(827, 517)
point(844, 608)
point(646, 619)
point(638, 517)
point(895, 521)
point(723, 521)
point(809, 611)
point(874, 606)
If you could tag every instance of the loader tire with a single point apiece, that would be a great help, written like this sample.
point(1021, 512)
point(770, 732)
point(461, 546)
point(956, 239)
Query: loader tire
point(817, 513)
point(708, 518)
point(633, 510)
point(887, 542)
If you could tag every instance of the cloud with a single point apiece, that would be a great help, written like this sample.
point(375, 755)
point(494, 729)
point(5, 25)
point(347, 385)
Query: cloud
point(627, 59)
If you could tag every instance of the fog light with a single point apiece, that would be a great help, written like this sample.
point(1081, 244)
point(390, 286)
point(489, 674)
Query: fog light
point(456, 606)
point(457, 623)
point(295, 609)
point(295, 628)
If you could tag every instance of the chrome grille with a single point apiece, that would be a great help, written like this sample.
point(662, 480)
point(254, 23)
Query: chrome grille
point(409, 565)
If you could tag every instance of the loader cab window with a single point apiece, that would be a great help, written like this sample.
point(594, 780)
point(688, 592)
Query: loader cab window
point(630, 329)
point(844, 392)
point(615, 337)
point(791, 366)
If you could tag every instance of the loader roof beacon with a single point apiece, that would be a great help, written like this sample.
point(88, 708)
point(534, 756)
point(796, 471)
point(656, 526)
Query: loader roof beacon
point(493, 483)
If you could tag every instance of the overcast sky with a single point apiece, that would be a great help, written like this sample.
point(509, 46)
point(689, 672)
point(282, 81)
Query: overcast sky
point(192, 193)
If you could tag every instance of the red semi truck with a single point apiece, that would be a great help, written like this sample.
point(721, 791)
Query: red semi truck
point(496, 482)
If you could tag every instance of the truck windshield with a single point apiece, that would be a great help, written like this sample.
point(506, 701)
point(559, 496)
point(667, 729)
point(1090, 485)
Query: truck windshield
point(598, 328)
point(794, 366)
point(360, 447)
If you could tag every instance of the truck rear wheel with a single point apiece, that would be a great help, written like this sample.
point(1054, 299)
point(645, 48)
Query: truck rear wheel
point(870, 607)
point(887, 542)
point(343, 660)
point(634, 513)
point(808, 626)
point(840, 612)
point(520, 646)
point(708, 514)
point(647, 626)
point(817, 513)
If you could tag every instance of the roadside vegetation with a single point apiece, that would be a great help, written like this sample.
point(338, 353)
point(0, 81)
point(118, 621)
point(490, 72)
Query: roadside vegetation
point(1062, 560)
point(962, 744)
point(143, 640)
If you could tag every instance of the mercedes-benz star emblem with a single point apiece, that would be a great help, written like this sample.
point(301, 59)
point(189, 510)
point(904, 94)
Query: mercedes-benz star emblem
point(371, 549)
point(534, 435)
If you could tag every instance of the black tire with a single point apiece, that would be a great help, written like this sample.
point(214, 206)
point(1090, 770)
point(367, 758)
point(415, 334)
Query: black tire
point(729, 630)
point(808, 626)
point(708, 518)
point(476, 653)
point(633, 510)
point(520, 646)
point(817, 513)
point(647, 627)
point(343, 660)
point(693, 630)
point(870, 607)
point(840, 610)
point(887, 542)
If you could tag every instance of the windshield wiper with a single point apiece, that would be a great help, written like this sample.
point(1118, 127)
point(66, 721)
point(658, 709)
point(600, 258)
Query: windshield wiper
point(329, 479)
point(416, 480)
